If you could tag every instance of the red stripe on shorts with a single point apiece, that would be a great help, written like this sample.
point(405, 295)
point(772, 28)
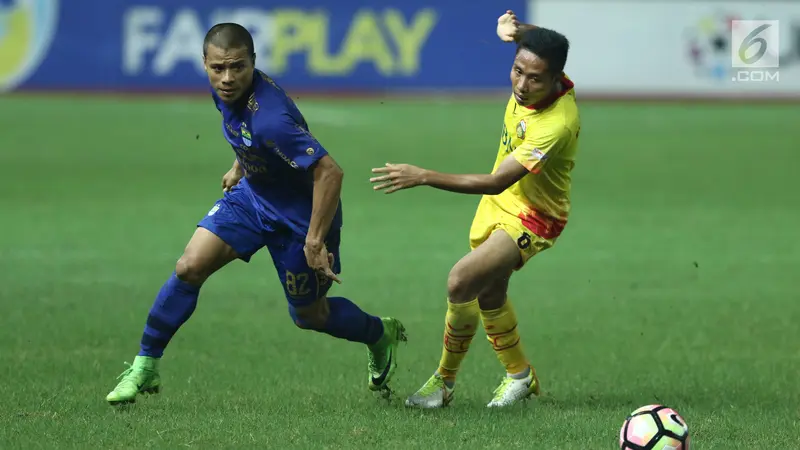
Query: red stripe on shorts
point(542, 225)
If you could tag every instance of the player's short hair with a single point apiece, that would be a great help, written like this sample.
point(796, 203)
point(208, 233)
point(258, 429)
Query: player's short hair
point(547, 44)
point(229, 35)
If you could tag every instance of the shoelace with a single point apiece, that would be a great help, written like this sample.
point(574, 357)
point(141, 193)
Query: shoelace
point(126, 371)
point(501, 390)
point(434, 384)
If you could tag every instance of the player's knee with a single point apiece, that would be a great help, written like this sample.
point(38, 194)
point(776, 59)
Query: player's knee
point(191, 270)
point(458, 287)
point(313, 317)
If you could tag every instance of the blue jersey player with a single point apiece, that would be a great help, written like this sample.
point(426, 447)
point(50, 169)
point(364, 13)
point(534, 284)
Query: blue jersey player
point(283, 194)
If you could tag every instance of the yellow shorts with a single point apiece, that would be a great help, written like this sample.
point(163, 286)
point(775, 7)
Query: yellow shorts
point(490, 218)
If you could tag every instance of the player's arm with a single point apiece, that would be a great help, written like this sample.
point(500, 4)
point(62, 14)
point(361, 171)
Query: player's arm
point(303, 152)
point(232, 177)
point(404, 176)
point(508, 172)
point(325, 202)
point(237, 168)
point(327, 190)
point(527, 158)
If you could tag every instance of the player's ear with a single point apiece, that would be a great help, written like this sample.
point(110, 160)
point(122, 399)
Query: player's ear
point(253, 58)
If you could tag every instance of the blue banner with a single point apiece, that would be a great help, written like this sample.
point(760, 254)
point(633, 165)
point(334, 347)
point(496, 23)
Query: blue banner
point(348, 45)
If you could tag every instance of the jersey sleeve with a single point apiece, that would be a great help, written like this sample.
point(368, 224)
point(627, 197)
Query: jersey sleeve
point(294, 143)
point(541, 144)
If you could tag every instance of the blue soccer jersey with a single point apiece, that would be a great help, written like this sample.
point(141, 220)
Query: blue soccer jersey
point(271, 206)
point(275, 148)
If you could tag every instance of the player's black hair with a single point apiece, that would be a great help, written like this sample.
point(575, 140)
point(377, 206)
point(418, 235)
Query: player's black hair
point(547, 44)
point(229, 35)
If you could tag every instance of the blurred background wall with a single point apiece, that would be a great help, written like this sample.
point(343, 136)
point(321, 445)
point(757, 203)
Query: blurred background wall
point(620, 48)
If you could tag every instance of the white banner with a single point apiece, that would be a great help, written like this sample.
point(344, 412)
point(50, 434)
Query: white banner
point(673, 49)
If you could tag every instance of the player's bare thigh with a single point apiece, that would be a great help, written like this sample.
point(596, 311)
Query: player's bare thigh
point(489, 264)
point(204, 254)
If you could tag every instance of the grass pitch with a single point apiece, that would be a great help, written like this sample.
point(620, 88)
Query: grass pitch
point(675, 281)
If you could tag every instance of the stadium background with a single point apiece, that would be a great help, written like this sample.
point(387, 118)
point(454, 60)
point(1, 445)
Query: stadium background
point(672, 284)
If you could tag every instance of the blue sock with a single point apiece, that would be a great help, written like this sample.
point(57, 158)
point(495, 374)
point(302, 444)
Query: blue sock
point(174, 304)
point(348, 321)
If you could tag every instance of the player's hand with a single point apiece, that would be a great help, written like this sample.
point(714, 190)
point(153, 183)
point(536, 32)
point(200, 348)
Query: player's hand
point(231, 179)
point(398, 176)
point(508, 26)
point(319, 260)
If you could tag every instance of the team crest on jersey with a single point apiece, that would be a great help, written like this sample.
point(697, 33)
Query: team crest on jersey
point(246, 137)
point(521, 128)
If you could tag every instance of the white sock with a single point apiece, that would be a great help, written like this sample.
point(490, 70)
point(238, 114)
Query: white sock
point(522, 375)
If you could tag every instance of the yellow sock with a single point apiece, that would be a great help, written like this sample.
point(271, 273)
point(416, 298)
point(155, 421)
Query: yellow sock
point(460, 325)
point(501, 330)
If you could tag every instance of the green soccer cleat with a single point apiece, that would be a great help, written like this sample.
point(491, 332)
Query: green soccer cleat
point(383, 355)
point(141, 377)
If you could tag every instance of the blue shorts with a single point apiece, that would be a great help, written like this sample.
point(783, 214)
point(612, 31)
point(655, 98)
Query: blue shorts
point(235, 220)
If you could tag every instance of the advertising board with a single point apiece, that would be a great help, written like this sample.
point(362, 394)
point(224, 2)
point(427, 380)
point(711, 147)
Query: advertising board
point(349, 45)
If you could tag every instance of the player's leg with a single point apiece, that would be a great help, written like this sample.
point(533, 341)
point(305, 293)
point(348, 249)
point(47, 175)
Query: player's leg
point(500, 322)
point(174, 304)
point(492, 260)
point(225, 234)
point(312, 309)
point(176, 301)
point(343, 319)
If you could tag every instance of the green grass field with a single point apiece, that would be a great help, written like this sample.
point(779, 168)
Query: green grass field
point(675, 281)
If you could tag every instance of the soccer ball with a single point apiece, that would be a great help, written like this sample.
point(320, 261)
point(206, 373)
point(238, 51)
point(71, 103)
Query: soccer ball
point(654, 427)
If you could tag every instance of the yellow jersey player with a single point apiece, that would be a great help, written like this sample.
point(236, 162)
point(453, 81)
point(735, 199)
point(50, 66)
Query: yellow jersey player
point(524, 208)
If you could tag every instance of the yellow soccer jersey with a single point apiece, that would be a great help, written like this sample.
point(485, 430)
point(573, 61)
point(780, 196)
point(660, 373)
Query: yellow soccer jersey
point(544, 139)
